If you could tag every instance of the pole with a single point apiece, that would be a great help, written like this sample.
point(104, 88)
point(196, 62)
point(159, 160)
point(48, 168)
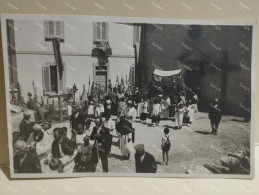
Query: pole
point(60, 109)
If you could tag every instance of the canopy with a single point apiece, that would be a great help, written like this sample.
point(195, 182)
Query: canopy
point(166, 73)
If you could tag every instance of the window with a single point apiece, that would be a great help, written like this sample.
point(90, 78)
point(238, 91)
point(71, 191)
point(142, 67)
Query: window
point(100, 31)
point(54, 29)
point(50, 79)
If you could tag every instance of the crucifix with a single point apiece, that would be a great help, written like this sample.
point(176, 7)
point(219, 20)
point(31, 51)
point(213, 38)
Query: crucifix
point(74, 90)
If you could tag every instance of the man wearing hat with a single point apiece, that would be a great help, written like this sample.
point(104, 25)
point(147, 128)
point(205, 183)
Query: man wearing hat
point(40, 142)
point(101, 137)
point(25, 126)
point(214, 116)
point(145, 162)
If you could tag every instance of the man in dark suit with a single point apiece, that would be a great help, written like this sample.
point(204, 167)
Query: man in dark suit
point(214, 116)
point(77, 118)
point(25, 161)
point(101, 137)
point(25, 127)
point(145, 162)
point(64, 150)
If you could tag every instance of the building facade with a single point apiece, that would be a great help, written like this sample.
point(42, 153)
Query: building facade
point(91, 53)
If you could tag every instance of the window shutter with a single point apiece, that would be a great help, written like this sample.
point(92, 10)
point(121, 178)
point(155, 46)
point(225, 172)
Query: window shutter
point(94, 31)
point(62, 82)
point(45, 79)
point(51, 29)
point(98, 31)
point(58, 29)
point(104, 31)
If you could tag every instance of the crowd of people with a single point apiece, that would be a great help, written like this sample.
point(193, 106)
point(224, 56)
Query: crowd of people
point(95, 124)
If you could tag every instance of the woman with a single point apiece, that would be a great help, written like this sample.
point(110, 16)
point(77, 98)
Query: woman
point(179, 110)
point(127, 118)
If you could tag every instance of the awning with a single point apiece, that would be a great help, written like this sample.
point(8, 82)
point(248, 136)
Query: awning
point(162, 73)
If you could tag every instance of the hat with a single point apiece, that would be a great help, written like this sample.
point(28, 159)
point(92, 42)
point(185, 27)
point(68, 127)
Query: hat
point(53, 164)
point(129, 102)
point(139, 147)
point(59, 130)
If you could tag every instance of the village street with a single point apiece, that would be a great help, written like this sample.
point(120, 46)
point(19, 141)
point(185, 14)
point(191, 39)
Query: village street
point(192, 146)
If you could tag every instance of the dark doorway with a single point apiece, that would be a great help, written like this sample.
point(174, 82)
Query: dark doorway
point(54, 79)
point(193, 81)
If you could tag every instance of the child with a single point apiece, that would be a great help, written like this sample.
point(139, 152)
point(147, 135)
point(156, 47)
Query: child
point(165, 146)
point(144, 111)
point(85, 153)
point(156, 112)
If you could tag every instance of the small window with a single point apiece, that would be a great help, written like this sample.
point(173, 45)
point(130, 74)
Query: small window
point(54, 29)
point(100, 31)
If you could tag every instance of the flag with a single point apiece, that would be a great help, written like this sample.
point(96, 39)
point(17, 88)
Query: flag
point(89, 84)
point(58, 57)
point(122, 81)
point(117, 80)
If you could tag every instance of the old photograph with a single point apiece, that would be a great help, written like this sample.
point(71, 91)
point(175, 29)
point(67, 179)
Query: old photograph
point(107, 96)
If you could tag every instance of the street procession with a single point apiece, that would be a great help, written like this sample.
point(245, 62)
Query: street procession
point(127, 100)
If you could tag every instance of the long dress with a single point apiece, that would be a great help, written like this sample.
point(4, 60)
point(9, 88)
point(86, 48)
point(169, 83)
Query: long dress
point(125, 145)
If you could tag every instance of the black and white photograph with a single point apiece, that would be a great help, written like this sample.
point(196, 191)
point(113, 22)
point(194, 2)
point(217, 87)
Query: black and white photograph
point(110, 96)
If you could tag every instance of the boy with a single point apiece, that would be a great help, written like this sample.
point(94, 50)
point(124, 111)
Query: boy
point(165, 146)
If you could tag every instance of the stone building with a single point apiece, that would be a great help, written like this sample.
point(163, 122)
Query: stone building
point(215, 60)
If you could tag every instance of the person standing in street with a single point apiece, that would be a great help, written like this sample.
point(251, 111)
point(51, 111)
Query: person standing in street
point(85, 153)
point(25, 161)
point(193, 106)
point(165, 146)
point(156, 112)
point(63, 150)
point(145, 162)
point(25, 126)
point(101, 137)
point(40, 142)
point(179, 110)
point(214, 116)
point(76, 119)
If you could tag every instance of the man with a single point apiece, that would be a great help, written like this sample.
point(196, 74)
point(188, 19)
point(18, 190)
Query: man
point(64, 150)
point(85, 153)
point(194, 108)
point(25, 161)
point(101, 137)
point(137, 101)
point(214, 116)
point(76, 118)
point(39, 140)
point(110, 125)
point(25, 126)
point(145, 162)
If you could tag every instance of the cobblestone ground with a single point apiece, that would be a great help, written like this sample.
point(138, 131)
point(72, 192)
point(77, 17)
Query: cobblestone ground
point(191, 147)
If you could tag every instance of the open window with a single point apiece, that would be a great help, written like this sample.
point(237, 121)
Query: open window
point(51, 81)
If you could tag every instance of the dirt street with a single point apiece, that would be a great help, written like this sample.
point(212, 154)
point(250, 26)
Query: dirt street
point(191, 147)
